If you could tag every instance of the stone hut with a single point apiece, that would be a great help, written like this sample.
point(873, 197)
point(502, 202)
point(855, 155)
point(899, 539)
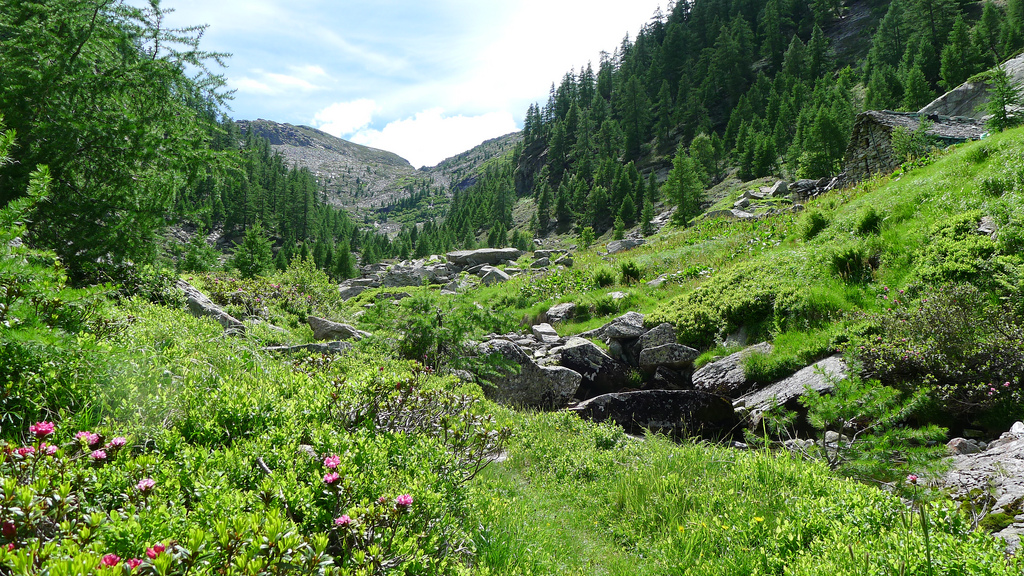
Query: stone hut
point(870, 148)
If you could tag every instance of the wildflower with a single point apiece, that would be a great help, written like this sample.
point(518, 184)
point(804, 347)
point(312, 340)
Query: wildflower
point(110, 560)
point(1006, 385)
point(145, 485)
point(155, 551)
point(758, 519)
point(332, 461)
point(48, 449)
point(332, 478)
point(342, 520)
point(41, 429)
point(25, 451)
point(98, 455)
point(382, 500)
point(405, 500)
point(89, 438)
point(118, 442)
point(911, 479)
point(133, 563)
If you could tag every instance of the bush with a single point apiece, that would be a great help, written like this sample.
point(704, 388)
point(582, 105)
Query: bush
point(813, 222)
point(604, 277)
point(630, 272)
point(869, 222)
point(851, 264)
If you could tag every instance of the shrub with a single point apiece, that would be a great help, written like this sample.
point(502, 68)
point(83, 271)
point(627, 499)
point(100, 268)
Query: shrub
point(604, 277)
point(630, 272)
point(956, 253)
point(869, 221)
point(812, 223)
point(851, 264)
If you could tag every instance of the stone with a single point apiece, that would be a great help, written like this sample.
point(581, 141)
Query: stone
point(566, 261)
point(540, 263)
point(618, 295)
point(534, 386)
point(600, 373)
point(561, 312)
point(666, 378)
point(364, 282)
point(351, 292)
point(393, 296)
point(987, 226)
point(671, 355)
point(616, 246)
point(1017, 429)
point(325, 348)
point(493, 276)
point(492, 256)
point(547, 253)
point(201, 306)
point(741, 203)
point(679, 413)
point(779, 190)
point(659, 281)
point(324, 329)
point(660, 335)
point(726, 376)
point(958, 446)
point(545, 333)
point(819, 377)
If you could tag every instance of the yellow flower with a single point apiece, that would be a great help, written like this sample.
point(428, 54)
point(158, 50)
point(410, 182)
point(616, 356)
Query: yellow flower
point(758, 519)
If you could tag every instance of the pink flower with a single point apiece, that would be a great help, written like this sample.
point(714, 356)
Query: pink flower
point(110, 560)
point(26, 451)
point(133, 563)
point(332, 478)
point(118, 442)
point(145, 485)
point(1006, 385)
point(332, 461)
point(155, 551)
point(89, 438)
point(41, 429)
point(405, 500)
point(382, 500)
point(98, 455)
point(9, 530)
point(911, 479)
point(342, 520)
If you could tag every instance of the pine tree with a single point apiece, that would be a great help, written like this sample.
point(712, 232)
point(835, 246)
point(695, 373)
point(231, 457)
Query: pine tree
point(627, 211)
point(646, 227)
point(620, 229)
point(986, 33)
point(684, 187)
point(544, 211)
point(343, 266)
point(958, 57)
point(254, 254)
point(1004, 96)
point(702, 150)
point(916, 91)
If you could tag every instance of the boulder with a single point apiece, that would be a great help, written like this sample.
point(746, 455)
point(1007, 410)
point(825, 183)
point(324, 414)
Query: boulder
point(600, 373)
point(779, 190)
point(324, 329)
point(325, 348)
point(540, 263)
point(493, 276)
point(547, 253)
point(726, 376)
point(533, 386)
point(566, 261)
point(492, 256)
point(393, 296)
point(561, 312)
point(668, 379)
point(545, 333)
point(660, 335)
point(679, 413)
point(616, 246)
point(628, 323)
point(202, 307)
point(958, 446)
point(618, 295)
point(818, 377)
point(350, 292)
point(659, 281)
point(415, 274)
point(671, 355)
point(741, 203)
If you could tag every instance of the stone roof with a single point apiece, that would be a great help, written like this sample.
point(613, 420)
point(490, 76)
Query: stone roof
point(956, 128)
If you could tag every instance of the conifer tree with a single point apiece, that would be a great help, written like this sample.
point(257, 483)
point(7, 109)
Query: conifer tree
point(1004, 97)
point(254, 254)
point(646, 227)
point(544, 210)
point(343, 266)
point(958, 58)
point(627, 211)
point(684, 187)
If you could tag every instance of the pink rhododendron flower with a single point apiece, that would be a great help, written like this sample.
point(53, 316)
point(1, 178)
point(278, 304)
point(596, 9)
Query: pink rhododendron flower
point(98, 455)
point(89, 438)
point(382, 500)
point(133, 563)
point(145, 485)
point(331, 478)
point(110, 560)
point(332, 461)
point(26, 451)
point(911, 479)
point(342, 520)
point(48, 449)
point(404, 500)
point(118, 442)
point(41, 429)
point(155, 551)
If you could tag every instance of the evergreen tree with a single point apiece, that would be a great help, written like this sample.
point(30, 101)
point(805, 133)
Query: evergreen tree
point(343, 265)
point(958, 57)
point(544, 210)
point(253, 256)
point(627, 211)
point(703, 151)
point(597, 208)
point(684, 187)
point(986, 33)
point(916, 91)
point(620, 229)
point(646, 227)
point(1004, 97)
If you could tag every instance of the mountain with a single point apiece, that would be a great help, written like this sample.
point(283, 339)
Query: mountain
point(360, 178)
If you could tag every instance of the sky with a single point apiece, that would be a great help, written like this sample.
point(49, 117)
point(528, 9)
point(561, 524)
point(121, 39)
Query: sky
point(424, 79)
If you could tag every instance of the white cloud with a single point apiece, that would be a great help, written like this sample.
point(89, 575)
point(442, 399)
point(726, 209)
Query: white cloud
point(272, 83)
point(344, 118)
point(430, 137)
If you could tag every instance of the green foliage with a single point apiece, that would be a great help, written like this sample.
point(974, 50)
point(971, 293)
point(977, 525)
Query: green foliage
point(587, 237)
point(1004, 97)
point(684, 187)
point(253, 256)
point(955, 252)
point(852, 263)
point(913, 145)
point(197, 256)
point(812, 223)
point(604, 277)
point(870, 221)
point(630, 272)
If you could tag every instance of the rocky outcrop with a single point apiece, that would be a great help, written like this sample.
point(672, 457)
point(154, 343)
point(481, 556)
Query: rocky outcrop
point(669, 355)
point(560, 312)
point(492, 256)
point(324, 329)
point(493, 275)
point(601, 374)
point(416, 273)
point(202, 307)
point(616, 246)
point(680, 413)
point(819, 377)
point(533, 386)
point(726, 376)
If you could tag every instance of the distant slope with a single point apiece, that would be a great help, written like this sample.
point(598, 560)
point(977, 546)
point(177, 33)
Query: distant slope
point(461, 170)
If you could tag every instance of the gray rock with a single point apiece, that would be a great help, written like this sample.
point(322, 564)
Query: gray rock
point(493, 276)
point(540, 263)
point(618, 295)
point(565, 261)
point(533, 386)
point(671, 355)
point(601, 374)
point(779, 190)
point(726, 376)
point(741, 203)
point(545, 333)
point(324, 329)
point(326, 348)
point(393, 296)
point(202, 307)
point(561, 312)
point(680, 413)
point(492, 256)
point(958, 446)
point(660, 335)
point(364, 282)
point(616, 246)
point(547, 253)
point(659, 281)
point(819, 377)
point(988, 226)
point(666, 378)
point(351, 292)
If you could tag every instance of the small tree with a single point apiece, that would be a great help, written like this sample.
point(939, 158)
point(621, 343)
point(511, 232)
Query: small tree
point(684, 186)
point(1004, 96)
point(254, 255)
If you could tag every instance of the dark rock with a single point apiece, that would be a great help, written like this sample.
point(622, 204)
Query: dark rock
point(680, 413)
point(726, 376)
point(533, 386)
point(666, 378)
point(492, 256)
point(601, 374)
point(780, 189)
point(540, 263)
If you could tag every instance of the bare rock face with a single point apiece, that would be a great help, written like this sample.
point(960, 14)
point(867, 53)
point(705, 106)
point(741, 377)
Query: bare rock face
point(534, 386)
point(202, 307)
point(600, 373)
point(492, 256)
point(324, 330)
point(726, 376)
point(818, 377)
point(616, 246)
point(680, 413)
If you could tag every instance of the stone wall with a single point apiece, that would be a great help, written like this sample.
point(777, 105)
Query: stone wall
point(870, 151)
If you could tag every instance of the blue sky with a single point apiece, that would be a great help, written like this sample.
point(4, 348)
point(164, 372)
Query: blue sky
point(425, 79)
